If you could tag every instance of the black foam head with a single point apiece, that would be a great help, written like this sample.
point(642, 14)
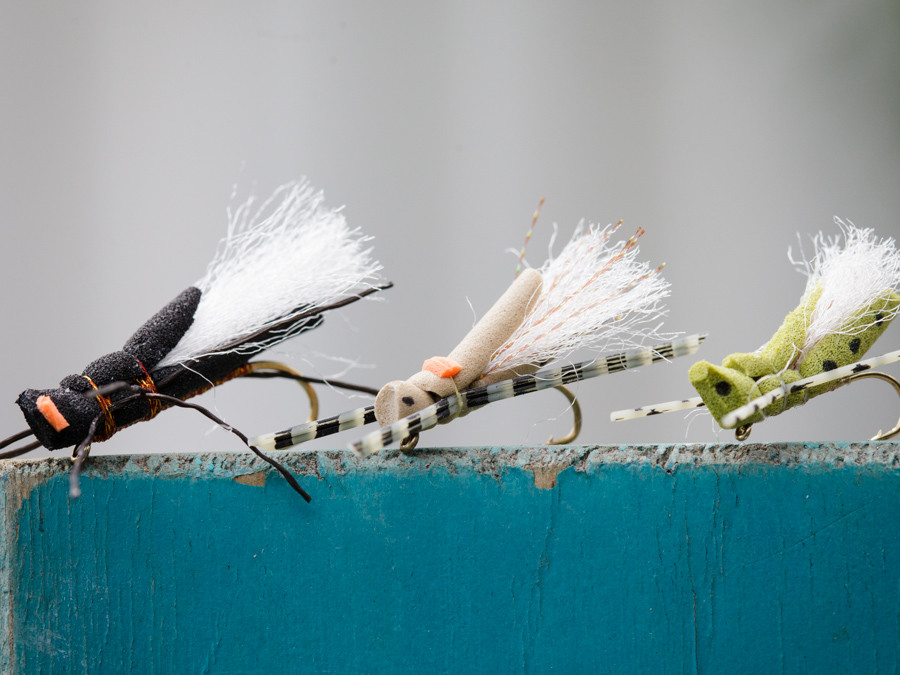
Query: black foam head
point(77, 410)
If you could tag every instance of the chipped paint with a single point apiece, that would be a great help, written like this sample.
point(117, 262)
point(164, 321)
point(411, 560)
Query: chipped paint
point(256, 479)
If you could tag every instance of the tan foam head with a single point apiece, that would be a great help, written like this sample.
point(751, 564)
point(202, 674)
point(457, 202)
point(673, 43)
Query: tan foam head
point(398, 399)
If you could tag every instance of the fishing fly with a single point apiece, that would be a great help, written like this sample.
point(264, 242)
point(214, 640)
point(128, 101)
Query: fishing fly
point(851, 297)
point(281, 266)
point(596, 293)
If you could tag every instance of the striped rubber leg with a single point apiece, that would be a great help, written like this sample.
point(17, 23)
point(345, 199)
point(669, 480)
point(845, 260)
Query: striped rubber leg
point(450, 407)
point(301, 433)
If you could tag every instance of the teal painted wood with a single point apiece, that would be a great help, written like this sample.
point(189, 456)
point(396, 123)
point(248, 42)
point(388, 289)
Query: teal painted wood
point(657, 559)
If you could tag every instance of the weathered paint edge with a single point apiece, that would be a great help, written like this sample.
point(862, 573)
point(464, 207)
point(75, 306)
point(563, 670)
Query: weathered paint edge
point(545, 462)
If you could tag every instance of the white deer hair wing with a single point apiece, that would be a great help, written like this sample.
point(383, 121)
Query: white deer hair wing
point(278, 260)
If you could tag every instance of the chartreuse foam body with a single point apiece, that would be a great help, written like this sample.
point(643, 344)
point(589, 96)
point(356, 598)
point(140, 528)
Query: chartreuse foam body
point(743, 377)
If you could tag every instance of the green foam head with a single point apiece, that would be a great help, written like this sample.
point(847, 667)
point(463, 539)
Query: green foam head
point(722, 389)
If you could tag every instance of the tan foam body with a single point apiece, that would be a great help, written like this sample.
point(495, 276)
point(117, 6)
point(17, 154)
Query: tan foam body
point(400, 398)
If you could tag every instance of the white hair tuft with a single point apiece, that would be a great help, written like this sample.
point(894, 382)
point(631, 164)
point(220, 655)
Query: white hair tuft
point(595, 295)
point(851, 275)
point(278, 260)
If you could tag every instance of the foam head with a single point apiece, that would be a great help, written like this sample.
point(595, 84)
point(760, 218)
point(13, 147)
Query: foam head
point(59, 418)
point(398, 399)
point(722, 389)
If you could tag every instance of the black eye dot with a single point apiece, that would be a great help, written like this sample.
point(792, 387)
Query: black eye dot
point(828, 365)
point(854, 345)
point(879, 318)
point(723, 388)
point(407, 400)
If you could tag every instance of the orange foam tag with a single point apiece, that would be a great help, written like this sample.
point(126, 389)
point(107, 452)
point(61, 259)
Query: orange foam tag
point(441, 366)
point(48, 409)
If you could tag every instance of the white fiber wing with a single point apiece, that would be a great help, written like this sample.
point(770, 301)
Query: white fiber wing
point(278, 260)
point(596, 294)
point(852, 275)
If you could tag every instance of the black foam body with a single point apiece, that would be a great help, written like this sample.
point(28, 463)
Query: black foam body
point(196, 377)
point(147, 347)
point(159, 335)
point(152, 341)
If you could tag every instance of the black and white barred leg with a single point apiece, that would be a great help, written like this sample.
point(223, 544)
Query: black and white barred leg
point(656, 409)
point(301, 433)
point(739, 415)
point(453, 406)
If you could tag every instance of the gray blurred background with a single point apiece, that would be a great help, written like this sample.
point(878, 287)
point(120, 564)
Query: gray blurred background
point(722, 128)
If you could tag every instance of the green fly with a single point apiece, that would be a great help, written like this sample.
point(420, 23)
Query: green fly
point(850, 299)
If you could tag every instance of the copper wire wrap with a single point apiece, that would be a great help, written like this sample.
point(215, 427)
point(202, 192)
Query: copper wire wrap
point(109, 424)
point(148, 384)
